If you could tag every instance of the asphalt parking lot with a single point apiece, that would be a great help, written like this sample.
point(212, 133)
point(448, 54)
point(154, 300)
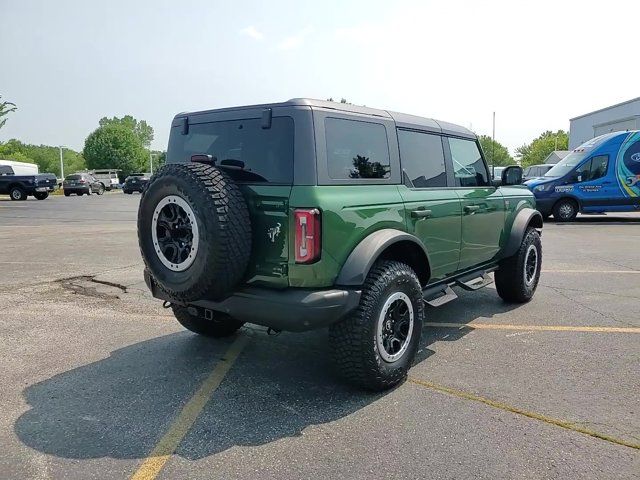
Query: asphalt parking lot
point(99, 381)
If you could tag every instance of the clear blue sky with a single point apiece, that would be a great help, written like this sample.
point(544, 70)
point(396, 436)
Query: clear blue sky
point(68, 63)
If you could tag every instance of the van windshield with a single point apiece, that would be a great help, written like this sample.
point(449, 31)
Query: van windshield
point(247, 152)
point(572, 160)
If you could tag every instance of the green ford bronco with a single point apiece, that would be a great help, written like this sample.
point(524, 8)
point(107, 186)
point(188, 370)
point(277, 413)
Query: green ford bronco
point(309, 214)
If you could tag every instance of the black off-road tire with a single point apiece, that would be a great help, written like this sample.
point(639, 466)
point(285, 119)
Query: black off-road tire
point(224, 231)
point(356, 353)
point(221, 325)
point(17, 194)
point(565, 210)
point(41, 195)
point(511, 279)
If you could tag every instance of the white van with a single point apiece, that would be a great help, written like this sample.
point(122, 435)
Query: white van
point(21, 168)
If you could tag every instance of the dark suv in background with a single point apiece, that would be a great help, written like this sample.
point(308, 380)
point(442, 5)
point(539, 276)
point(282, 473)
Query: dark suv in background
point(82, 184)
point(136, 182)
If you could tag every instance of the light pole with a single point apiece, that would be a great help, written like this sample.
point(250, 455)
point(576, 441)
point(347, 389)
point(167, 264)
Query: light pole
point(151, 161)
point(60, 147)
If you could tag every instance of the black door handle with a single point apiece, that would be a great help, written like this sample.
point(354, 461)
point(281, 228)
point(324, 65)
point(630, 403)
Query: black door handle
point(471, 208)
point(420, 213)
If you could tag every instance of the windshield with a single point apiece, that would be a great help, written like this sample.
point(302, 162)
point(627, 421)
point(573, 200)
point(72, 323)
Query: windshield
point(572, 160)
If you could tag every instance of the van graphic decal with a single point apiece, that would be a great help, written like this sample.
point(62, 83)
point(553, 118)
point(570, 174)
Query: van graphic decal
point(628, 165)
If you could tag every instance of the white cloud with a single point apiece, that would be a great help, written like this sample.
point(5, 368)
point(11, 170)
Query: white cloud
point(252, 32)
point(294, 41)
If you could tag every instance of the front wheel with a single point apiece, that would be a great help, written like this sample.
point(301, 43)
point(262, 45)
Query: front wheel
point(100, 190)
point(565, 210)
point(375, 347)
point(517, 276)
point(220, 325)
point(41, 195)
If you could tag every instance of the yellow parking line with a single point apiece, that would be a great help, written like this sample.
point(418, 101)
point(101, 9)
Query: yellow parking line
point(633, 272)
point(541, 328)
point(167, 445)
point(519, 411)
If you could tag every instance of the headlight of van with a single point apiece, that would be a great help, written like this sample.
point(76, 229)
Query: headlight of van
point(545, 187)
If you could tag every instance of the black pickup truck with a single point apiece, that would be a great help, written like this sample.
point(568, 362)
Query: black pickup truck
point(19, 187)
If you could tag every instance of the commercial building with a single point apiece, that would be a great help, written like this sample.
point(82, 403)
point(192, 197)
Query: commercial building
point(619, 117)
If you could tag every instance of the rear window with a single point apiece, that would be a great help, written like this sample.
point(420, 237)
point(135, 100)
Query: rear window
point(74, 177)
point(248, 152)
point(356, 149)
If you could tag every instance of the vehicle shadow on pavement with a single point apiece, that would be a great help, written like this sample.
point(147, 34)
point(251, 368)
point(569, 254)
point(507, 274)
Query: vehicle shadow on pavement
point(120, 406)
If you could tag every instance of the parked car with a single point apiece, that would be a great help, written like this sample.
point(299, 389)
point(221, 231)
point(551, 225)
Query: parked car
point(136, 182)
point(82, 184)
point(19, 187)
point(536, 171)
point(601, 175)
point(371, 216)
point(108, 178)
point(497, 172)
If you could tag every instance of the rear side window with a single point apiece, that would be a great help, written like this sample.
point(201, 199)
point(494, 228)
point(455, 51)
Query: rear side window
point(356, 149)
point(6, 170)
point(248, 152)
point(422, 159)
point(469, 169)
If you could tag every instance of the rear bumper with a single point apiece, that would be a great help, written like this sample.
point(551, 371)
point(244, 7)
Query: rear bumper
point(293, 309)
point(77, 189)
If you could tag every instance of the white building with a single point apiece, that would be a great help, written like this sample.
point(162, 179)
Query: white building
point(620, 117)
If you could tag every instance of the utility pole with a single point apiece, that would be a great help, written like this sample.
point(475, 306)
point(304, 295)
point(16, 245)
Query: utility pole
point(151, 161)
point(60, 147)
point(493, 143)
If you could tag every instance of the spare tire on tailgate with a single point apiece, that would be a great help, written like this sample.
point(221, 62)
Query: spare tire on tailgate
point(194, 232)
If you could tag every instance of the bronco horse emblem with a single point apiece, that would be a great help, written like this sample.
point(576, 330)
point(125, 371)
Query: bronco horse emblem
point(273, 232)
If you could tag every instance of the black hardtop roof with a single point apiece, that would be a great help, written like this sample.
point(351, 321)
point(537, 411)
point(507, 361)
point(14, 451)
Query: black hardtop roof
point(401, 119)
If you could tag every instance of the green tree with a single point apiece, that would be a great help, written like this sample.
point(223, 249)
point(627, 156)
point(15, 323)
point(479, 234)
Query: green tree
point(115, 146)
point(46, 157)
point(538, 150)
point(5, 109)
point(141, 128)
point(495, 153)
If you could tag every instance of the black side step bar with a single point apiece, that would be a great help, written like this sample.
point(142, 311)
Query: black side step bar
point(438, 295)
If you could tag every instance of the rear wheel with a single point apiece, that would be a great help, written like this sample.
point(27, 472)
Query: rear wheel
point(41, 195)
point(375, 347)
point(565, 210)
point(100, 190)
point(17, 194)
point(220, 325)
point(518, 276)
point(66, 194)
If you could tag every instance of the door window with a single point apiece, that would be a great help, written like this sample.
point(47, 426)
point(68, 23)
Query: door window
point(468, 166)
point(592, 169)
point(422, 158)
point(356, 149)
point(6, 170)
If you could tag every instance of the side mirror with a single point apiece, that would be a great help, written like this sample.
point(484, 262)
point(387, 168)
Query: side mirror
point(512, 175)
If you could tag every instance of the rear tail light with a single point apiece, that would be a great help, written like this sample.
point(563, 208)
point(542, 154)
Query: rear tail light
point(308, 229)
point(83, 181)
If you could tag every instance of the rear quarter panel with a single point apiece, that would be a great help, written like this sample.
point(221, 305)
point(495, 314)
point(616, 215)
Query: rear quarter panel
point(349, 214)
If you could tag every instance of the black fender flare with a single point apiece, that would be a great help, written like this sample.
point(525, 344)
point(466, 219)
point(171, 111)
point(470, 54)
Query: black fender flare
point(361, 259)
point(524, 218)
